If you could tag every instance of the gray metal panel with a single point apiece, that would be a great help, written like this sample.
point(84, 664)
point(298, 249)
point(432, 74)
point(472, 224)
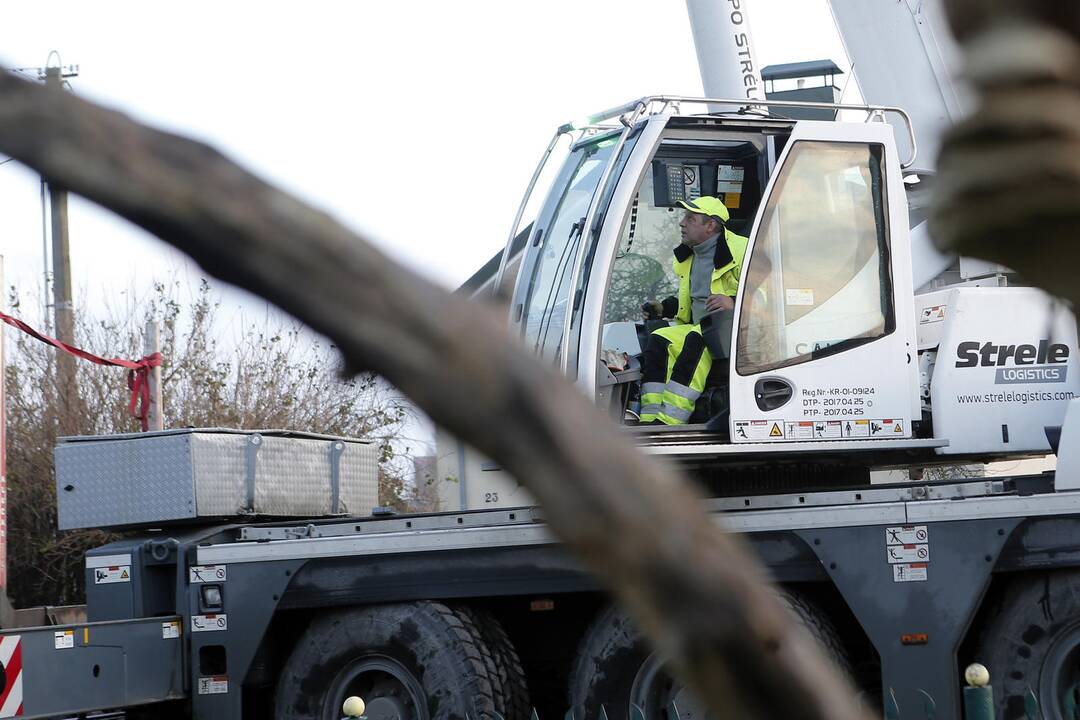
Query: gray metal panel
point(381, 544)
point(359, 478)
point(922, 503)
point(847, 500)
point(1059, 503)
point(123, 482)
point(251, 596)
point(464, 538)
point(961, 558)
point(135, 664)
point(825, 94)
point(292, 477)
point(218, 466)
point(809, 68)
point(152, 478)
point(835, 516)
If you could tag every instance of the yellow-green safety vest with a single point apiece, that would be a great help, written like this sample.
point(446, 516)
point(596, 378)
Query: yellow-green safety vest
point(725, 276)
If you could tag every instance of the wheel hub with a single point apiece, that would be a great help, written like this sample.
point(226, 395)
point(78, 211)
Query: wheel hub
point(390, 690)
point(1059, 677)
point(385, 708)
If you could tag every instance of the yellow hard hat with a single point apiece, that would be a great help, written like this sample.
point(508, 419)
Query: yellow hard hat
point(706, 205)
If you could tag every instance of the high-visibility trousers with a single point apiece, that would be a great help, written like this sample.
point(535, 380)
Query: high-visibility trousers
point(676, 366)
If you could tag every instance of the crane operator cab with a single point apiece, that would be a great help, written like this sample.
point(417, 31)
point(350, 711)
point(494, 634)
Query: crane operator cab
point(814, 348)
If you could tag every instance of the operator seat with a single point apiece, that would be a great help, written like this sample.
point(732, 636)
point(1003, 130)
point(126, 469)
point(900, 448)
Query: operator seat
point(712, 406)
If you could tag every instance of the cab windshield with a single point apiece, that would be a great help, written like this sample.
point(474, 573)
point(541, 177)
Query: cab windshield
point(555, 243)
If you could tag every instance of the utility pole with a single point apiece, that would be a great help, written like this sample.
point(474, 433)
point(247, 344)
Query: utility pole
point(152, 345)
point(5, 605)
point(63, 310)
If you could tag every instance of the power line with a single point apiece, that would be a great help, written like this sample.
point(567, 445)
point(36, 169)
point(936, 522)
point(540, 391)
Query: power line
point(5, 162)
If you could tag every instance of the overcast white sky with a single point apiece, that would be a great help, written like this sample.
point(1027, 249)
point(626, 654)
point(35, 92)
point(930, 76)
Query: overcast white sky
point(416, 123)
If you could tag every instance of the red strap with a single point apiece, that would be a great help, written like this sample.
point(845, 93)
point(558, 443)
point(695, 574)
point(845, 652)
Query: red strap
point(138, 370)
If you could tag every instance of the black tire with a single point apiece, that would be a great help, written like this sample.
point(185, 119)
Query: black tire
point(1033, 640)
point(413, 660)
point(616, 667)
point(821, 629)
point(509, 673)
point(471, 621)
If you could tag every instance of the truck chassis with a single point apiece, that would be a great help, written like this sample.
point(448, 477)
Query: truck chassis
point(911, 575)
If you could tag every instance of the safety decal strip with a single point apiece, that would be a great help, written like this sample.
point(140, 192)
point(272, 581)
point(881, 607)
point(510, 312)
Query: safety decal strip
point(11, 701)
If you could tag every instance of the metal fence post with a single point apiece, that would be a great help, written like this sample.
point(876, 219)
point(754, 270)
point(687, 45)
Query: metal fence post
point(929, 706)
point(1031, 707)
point(892, 709)
point(978, 695)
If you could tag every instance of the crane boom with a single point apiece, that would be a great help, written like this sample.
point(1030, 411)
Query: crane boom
point(902, 53)
point(725, 49)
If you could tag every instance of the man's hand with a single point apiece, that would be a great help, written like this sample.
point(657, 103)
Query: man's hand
point(652, 309)
point(719, 302)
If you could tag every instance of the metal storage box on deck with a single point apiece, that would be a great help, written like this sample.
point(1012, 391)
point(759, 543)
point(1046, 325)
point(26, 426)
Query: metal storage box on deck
point(191, 474)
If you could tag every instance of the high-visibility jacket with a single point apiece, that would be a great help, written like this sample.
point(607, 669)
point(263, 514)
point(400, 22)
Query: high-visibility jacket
point(727, 264)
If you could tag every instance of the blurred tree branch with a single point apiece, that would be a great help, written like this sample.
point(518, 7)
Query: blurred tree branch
point(1009, 175)
point(693, 589)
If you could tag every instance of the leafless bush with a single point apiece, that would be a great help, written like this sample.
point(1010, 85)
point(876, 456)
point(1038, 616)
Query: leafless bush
point(269, 374)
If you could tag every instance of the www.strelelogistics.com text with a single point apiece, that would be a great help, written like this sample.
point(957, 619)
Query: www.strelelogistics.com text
point(1019, 398)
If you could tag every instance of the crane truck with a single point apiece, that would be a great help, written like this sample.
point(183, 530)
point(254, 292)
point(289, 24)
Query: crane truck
point(877, 353)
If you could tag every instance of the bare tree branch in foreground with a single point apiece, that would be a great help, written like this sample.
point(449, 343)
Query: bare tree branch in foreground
point(695, 591)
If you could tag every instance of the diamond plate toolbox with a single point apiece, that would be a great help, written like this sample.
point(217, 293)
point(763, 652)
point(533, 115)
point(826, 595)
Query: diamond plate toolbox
point(189, 475)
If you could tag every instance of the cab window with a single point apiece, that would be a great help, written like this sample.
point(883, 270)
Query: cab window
point(818, 278)
point(729, 166)
point(556, 242)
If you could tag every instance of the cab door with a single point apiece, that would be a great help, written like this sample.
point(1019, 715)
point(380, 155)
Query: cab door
point(824, 333)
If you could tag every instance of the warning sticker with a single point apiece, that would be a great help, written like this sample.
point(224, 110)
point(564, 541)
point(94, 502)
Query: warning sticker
point(64, 639)
point(799, 296)
point(907, 553)
point(888, 427)
point(732, 173)
point(170, 629)
point(906, 535)
point(932, 314)
point(209, 623)
point(760, 430)
point(11, 699)
point(214, 685)
point(206, 573)
point(907, 550)
point(856, 428)
point(802, 430)
point(691, 181)
point(910, 572)
point(115, 574)
point(828, 429)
